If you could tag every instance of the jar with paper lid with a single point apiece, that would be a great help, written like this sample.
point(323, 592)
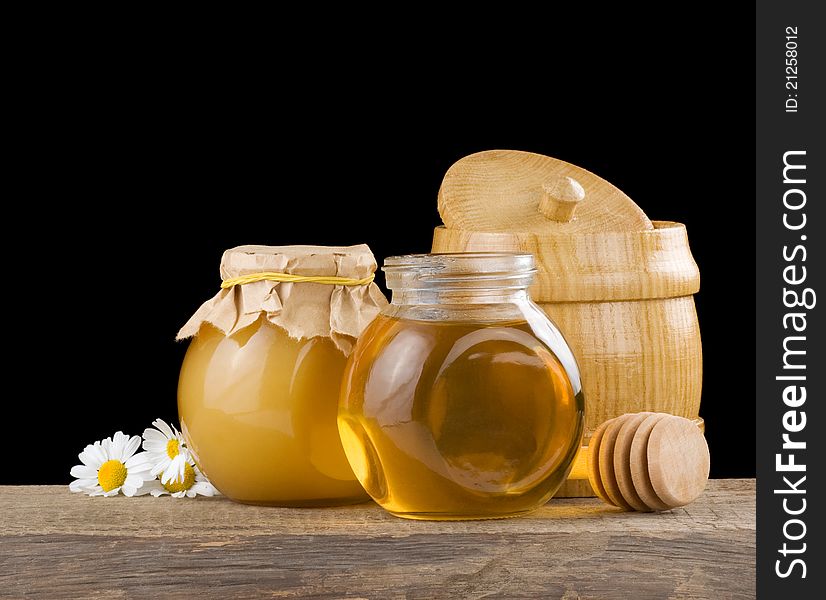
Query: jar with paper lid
point(462, 399)
point(259, 385)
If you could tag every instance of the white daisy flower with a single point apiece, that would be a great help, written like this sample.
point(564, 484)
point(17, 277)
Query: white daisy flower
point(167, 451)
point(194, 483)
point(110, 466)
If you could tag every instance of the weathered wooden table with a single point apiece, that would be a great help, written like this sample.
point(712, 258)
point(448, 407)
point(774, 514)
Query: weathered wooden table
point(54, 544)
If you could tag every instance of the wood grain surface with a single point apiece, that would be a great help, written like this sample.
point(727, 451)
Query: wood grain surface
point(502, 190)
point(593, 267)
point(60, 545)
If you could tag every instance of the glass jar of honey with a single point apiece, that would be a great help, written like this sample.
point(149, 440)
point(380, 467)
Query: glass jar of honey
point(461, 400)
point(259, 386)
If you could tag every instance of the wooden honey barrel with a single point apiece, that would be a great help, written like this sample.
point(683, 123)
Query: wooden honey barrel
point(620, 290)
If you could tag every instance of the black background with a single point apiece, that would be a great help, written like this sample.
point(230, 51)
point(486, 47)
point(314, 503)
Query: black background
point(141, 167)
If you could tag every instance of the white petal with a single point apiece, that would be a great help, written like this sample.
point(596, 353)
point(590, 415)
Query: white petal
point(146, 476)
point(202, 488)
point(155, 442)
point(128, 490)
point(153, 435)
point(161, 466)
point(95, 454)
point(157, 493)
point(158, 448)
point(119, 441)
point(91, 457)
point(150, 487)
point(144, 465)
point(167, 476)
point(144, 470)
point(179, 465)
point(83, 472)
point(106, 447)
point(134, 481)
point(79, 485)
point(178, 494)
point(83, 485)
point(161, 424)
point(138, 462)
point(102, 450)
point(131, 447)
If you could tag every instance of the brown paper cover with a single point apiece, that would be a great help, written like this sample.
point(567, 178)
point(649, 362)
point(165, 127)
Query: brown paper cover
point(303, 310)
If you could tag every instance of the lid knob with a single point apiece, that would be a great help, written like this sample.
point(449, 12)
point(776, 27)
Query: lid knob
point(560, 198)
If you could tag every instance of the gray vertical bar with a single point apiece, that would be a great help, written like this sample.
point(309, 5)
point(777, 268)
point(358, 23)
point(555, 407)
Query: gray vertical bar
point(779, 131)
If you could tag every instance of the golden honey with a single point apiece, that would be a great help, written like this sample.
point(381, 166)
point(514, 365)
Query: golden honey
point(258, 410)
point(259, 386)
point(457, 406)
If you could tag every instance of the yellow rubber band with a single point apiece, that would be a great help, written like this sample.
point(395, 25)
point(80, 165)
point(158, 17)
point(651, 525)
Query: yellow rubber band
point(290, 278)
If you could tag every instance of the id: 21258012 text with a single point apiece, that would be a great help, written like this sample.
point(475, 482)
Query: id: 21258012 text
point(792, 102)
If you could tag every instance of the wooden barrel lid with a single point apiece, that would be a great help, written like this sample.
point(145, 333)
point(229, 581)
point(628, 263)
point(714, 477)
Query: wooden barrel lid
point(514, 191)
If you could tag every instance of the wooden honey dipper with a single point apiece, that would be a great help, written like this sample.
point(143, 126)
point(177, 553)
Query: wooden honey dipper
point(648, 461)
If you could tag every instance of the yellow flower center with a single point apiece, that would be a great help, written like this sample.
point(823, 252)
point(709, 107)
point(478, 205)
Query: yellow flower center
point(111, 475)
point(173, 448)
point(181, 486)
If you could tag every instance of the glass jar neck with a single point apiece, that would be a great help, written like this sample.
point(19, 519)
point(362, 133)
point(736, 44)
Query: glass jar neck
point(448, 296)
point(459, 279)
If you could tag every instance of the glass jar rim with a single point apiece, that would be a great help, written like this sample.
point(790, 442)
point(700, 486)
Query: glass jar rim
point(497, 268)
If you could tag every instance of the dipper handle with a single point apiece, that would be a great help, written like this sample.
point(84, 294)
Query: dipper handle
point(648, 461)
